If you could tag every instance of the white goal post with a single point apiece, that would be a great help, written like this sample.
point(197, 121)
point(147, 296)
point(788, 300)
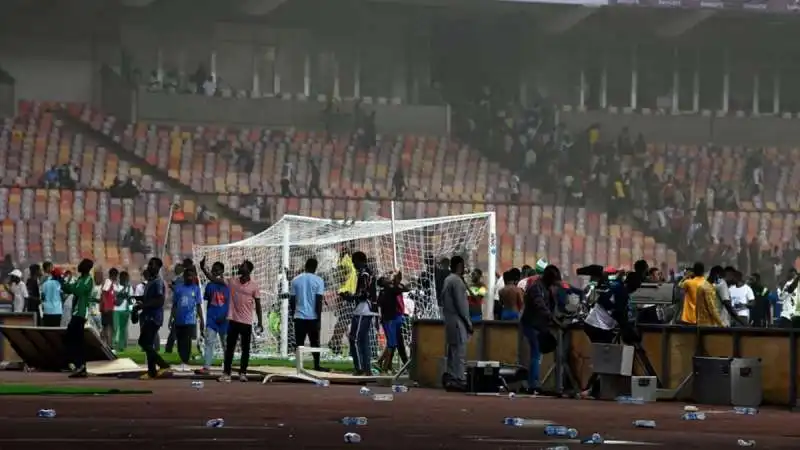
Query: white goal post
point(412, 246)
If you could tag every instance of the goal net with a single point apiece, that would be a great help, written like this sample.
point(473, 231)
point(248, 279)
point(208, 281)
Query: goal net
point(412, 246)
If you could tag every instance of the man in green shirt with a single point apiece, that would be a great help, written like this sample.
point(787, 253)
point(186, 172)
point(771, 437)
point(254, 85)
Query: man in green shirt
point(81, 288)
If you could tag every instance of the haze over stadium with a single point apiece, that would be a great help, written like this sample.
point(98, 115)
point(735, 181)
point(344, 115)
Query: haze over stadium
point(507, 132)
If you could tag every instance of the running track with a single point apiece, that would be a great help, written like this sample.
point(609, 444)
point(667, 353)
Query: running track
point(299, 416)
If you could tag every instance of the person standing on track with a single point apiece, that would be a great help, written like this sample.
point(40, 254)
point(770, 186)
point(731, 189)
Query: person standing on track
point(82, 291)
point(344, 311)
point(244, 302)
point(363, 314)
point(186, 310)
point(151, 319)
point(218, 299)
point(457, 325)
point(305, 306)
point(52, 300)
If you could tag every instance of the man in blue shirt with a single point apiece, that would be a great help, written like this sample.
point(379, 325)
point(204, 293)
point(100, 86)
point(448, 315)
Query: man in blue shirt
point(186, 309)
point(305, 306)
point(218, 300)
point(52, 302)
point(151, 318)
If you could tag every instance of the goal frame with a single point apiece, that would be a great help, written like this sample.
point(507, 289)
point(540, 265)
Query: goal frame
point(386, 227)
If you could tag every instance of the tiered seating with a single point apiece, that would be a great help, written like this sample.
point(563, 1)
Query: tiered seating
point(66, 226)
point(698, 166)
point(435, 168)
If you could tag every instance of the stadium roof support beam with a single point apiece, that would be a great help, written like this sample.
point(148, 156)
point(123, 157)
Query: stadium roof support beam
point(562, 22)
point(683, 24)
point(260, 7)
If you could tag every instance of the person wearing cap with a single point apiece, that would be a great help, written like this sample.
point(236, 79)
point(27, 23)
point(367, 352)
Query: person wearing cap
point(19, 291)
point(52, 300)
point(538, 270)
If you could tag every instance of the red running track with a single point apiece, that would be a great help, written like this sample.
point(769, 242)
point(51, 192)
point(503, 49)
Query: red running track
point(299, 416)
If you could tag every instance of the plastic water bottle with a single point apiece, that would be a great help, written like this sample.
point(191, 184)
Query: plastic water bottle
point(690, 408)
point(644, 423)
point(627, 400)
point(46, 413)
point(352, 438)
point(746, 443)
point(357, 421)
point(323, 383)
point(559, 447)
point(383, 397)
point(514, 421)
point(399, 388)
point(693, 416)
point(745, 411)
point(365, 391)
point(560, 431)
point(215, 423)
point(596, 439)
point(198, 384)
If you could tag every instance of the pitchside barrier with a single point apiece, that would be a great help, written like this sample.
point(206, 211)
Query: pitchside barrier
point(670, 349)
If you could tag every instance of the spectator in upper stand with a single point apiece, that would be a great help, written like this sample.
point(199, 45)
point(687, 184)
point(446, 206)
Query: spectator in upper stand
point(154, 83)
point(50, 178)
point(287, 178)
point(199, 77)
point(514, 189)
point(399, 182)
point(314, 181)
point(209, 87)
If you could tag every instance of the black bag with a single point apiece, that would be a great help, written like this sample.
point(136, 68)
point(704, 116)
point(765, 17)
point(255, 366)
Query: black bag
point(547, 342)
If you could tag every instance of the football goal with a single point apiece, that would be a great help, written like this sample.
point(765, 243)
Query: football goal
point(412, 246)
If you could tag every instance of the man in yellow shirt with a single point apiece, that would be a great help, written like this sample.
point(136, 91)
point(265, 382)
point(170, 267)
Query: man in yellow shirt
point(690, 284)
point(706, 307)
point(344, 310)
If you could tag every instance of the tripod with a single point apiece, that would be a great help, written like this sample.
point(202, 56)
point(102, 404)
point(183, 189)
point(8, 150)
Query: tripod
point(561, 366)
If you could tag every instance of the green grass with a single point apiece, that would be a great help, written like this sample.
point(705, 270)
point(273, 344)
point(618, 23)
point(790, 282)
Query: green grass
point(31, 389)
point(137, 355)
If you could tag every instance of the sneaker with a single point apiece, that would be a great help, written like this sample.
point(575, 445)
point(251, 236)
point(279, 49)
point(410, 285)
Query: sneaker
point(224, 378)
point(162, 373)
point(243, 378)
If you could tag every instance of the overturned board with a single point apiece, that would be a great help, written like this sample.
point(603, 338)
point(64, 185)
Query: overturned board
point(42, 348)
point(291, 374)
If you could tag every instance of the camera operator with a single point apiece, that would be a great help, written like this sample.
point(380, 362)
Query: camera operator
point(612, 310)
point(539, 302)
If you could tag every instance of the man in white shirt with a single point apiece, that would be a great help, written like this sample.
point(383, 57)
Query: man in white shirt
point(18, 290)
point(741, 297)
point(789, 296)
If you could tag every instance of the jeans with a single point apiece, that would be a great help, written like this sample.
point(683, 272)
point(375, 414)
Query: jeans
point(121, 320)
point(532, 336)
point(148, 335)
point(236, 329)
point(210, 345)
point(360, 351)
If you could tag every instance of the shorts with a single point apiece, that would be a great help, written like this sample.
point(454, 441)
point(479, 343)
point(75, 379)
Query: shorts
point(107, 318)
point(392, 330)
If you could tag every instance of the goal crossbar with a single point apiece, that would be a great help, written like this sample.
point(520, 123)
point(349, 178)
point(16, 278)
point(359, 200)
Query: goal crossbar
point(361, 229)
